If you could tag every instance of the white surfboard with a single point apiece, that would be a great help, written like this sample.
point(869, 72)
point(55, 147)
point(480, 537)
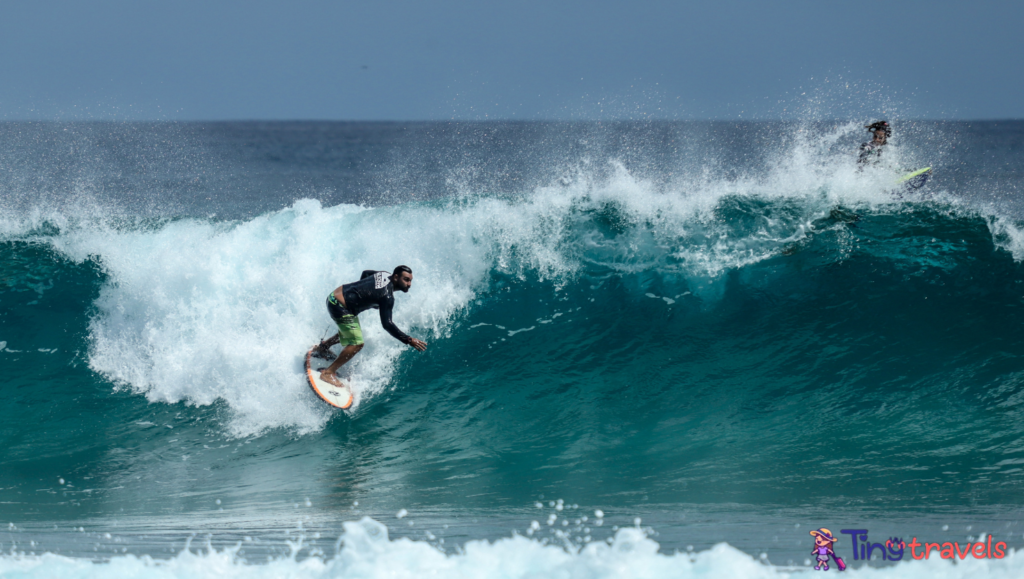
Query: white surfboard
point(329, 393)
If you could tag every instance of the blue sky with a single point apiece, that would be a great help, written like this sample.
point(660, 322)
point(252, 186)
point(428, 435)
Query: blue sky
point(388, 60)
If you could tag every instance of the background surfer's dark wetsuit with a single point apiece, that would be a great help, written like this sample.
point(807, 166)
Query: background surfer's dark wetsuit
point(373, 290)
point(870, 153)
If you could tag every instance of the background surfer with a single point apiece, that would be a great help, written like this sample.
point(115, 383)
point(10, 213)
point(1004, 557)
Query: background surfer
point(870, 152)
point(375, 289)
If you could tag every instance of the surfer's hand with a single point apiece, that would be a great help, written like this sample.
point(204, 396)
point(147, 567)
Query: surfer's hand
point(418, 344)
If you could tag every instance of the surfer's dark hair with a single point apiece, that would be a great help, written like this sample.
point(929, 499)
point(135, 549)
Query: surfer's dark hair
point(880, 125)
point(402, 269)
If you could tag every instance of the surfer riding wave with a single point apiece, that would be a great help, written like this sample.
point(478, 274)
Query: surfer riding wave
point(871, 154)
point(375, 289)
point(871, 151)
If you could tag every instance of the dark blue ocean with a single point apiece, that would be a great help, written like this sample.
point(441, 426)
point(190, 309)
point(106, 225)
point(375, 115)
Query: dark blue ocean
point(658, 349)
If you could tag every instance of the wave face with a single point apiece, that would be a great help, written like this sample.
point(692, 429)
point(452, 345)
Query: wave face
point(778, 333)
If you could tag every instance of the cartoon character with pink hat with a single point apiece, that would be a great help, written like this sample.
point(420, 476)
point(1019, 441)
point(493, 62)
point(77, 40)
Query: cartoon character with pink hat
point(823, 541)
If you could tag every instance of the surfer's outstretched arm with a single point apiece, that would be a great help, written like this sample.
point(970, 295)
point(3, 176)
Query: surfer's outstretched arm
point(391, 328)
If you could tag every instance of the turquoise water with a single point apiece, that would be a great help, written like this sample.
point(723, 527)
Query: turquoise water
point(730, 338)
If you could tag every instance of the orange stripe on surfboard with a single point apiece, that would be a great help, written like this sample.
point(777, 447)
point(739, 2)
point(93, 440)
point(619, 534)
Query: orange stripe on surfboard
point(312, 384)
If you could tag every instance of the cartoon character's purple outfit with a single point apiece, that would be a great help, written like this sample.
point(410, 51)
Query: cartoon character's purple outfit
point(824, 535)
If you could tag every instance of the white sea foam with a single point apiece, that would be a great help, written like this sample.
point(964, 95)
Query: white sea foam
point(200, 311)
point(367, 552)
point(1007, 234)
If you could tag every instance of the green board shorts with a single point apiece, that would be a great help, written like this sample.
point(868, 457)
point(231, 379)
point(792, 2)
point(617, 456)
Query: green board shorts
point(349, 330)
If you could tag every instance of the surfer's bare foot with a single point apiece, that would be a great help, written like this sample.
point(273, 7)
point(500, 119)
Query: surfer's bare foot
point(331, 378)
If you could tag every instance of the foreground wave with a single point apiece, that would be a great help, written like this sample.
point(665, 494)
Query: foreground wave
point(611, 330)
point(241, 300)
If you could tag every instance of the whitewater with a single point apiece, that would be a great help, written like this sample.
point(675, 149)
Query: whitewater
point(716, 338)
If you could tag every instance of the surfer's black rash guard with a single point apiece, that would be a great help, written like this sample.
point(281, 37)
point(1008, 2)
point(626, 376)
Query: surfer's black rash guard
point(374, 290)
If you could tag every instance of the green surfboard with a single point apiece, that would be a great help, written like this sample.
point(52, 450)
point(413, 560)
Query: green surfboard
point(915, 179)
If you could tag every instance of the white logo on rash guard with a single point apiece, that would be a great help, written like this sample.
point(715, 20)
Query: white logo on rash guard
point(380, 279)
